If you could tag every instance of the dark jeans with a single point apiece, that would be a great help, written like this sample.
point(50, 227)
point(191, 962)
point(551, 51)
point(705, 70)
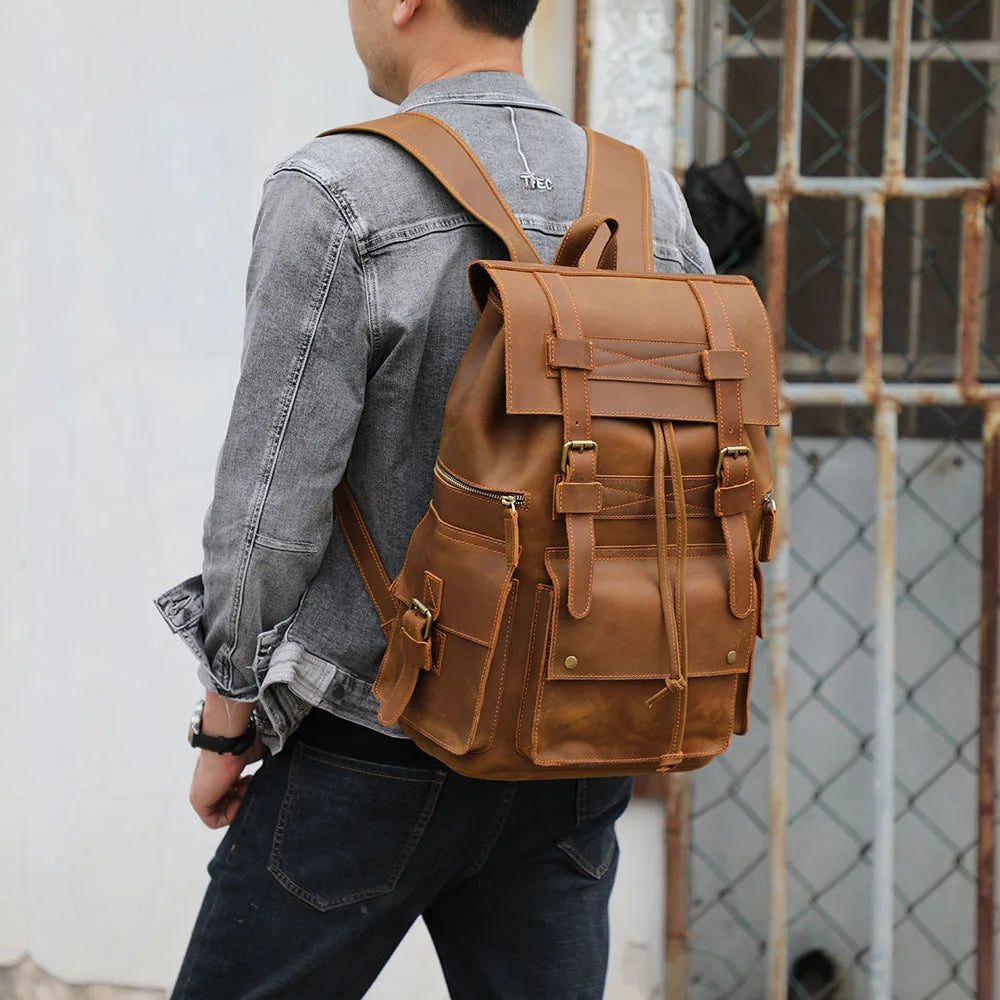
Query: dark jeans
point(333, 856)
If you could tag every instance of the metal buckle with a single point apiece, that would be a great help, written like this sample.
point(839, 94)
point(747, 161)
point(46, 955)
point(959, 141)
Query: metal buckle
point(730, 452)
point(577, 446)
point(422, 608)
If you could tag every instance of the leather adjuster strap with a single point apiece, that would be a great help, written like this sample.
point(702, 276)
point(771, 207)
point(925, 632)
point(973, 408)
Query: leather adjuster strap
point(579, 454)
point(410, 651)
point(726, 367)
point(366, 558)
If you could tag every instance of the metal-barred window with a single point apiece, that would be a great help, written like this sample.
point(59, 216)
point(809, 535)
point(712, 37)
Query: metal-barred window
point(858, 816)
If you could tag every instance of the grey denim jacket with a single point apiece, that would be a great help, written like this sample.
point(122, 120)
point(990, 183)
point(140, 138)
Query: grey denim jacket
point(358, 312)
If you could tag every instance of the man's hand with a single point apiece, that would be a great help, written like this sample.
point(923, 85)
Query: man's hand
point(218, 786)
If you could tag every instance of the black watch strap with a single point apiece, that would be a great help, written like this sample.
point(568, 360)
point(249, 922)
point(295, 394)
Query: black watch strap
point(235, 745)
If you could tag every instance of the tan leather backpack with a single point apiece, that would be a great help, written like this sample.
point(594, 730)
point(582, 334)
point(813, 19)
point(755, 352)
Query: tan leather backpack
point(583, 596)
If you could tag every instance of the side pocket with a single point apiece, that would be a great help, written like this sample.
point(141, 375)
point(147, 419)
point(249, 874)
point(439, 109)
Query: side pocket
point(593, 845)
point(464, 579)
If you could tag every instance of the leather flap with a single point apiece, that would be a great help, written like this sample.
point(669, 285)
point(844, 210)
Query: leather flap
point(648, 334)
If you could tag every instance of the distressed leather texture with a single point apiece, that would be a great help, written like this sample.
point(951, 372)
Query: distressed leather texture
point(584, 593)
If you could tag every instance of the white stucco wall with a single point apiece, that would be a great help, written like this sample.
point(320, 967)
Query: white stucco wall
point(136, 139)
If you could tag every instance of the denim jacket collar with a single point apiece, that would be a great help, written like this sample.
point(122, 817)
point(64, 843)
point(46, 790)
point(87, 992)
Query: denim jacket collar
point(490, 88)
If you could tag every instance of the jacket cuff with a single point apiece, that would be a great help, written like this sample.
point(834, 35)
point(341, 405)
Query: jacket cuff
point(182, 608)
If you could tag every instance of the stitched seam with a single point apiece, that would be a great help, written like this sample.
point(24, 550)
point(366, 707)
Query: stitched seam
point(588, 191)
point(281, 545)
point(655, 359)
point(369, 543)
point(588, 238)
point(647, 212)
point(733, 344)
point(512, 604)
point(526, 690)
point(494, 835)
point(651, 414)
point(450, 531)
point(364, 577)
point(292, 385)
point(505, 208)
point(582, 376)
point(722, 279)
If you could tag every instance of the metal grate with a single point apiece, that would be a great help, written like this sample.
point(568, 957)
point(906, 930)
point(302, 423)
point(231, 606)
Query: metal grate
point(857, 816)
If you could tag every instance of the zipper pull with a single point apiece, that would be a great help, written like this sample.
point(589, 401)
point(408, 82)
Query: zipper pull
point(767, 528)
point(511, 532)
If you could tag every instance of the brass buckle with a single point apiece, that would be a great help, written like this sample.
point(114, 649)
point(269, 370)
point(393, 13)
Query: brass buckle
point(422, 608)
point(731, 452)
point(576, 446)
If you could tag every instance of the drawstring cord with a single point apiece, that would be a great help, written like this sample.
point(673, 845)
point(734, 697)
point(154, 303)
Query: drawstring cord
point(673, 599)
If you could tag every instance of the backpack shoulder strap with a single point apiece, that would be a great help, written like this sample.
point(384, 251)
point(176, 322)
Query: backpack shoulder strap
point(618, 185)
point(443, 152)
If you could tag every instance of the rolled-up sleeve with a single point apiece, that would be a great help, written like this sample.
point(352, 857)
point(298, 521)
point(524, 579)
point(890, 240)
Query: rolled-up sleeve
point(298, 402)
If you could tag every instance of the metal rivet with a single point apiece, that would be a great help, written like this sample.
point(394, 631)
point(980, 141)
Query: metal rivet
point(731, 657)
point(571, 663)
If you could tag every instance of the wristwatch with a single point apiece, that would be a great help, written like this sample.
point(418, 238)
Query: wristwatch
point(235, 745)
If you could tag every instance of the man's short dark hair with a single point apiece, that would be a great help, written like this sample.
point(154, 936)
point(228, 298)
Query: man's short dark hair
point(507, 18)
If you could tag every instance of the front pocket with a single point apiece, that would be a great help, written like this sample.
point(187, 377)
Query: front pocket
point(319, 854)
point(464, 578)
point(595, 702)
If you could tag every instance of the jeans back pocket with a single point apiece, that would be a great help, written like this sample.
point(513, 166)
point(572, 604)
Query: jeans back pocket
point(348, 828)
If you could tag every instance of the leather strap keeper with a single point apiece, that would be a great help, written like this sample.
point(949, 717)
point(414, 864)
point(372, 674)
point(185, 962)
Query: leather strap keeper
point(416, 649)
point(719, 365)
point(579, 498)
point(571, 353)
point(735, 499)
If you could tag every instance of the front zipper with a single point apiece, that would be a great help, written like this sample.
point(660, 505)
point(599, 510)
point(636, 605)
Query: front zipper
point(508, 498)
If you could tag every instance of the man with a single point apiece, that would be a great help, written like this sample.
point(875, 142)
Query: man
point(349, 833)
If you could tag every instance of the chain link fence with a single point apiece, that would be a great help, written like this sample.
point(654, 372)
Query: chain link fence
point(950, 131)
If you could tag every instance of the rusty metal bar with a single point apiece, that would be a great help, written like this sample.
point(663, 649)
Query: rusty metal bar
point(986, 888)
point(848, 291)
point(970, 312)
point(792, 77)
point(581, 93)
point(894, 154)
point(872, 267)
point(986, 847)
point(902, 393)
point(872, 49)
point(713, 24)
point(677, 796)
point(684, 57)
point(777, 944)
point(919, 226)
point(948, 188)
point(776, 271)
point(994, 173)
point(886, 442)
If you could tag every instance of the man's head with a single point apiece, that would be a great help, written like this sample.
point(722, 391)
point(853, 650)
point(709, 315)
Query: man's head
point(404, 43)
